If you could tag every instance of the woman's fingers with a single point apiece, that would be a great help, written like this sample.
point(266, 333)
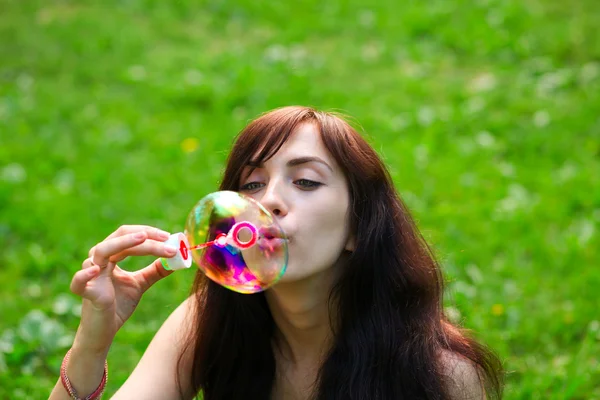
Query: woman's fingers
point(149, 247)
point(108, 248)
point(153, 233)
point(82, 277)
point(125, 230)
point(151, 274)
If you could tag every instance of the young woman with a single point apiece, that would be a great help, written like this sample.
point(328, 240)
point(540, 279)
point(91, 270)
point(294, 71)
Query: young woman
point(357, 315)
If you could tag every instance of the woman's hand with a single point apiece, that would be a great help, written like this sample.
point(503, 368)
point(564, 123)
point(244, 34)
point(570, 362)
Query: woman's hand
point(110, 294)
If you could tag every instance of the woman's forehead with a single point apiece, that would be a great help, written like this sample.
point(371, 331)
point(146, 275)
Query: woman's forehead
point(305, 141)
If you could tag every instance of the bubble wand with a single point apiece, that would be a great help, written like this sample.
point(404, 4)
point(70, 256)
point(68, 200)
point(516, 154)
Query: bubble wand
point(232, 238)
point(245, 259)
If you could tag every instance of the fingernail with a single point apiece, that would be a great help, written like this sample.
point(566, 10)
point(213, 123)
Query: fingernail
point(163, 235)
point(139, 235)
point(170, 249)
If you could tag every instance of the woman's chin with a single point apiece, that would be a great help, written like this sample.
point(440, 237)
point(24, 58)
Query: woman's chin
point(293, 274)
point(289, 276)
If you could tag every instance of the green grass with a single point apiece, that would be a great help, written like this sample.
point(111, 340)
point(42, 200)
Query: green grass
point(487, 113)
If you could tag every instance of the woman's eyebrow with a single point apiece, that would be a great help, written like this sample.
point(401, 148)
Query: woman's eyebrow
point(303, 160)
point(294, 162)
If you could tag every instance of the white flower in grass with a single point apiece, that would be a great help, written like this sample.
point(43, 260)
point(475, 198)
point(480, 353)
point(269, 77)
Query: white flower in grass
point(464, 288)
point(62, 304)
point(25, 82)
point(551, 81)
point(421, 154)
point(366, 18)
point(425, 116)
point(466, 146)
point(518, 198)
point(137, 72)
point(14, 173)
point(474, 105)
point(64, 180)
point(567, 172)
point(34, 290)
point(275, 53)
point(372, 51)
point(193, 77)
point(399, 122)
point(583, 230)
point(506, 169)
point(474, 273)
point(483, 82)
point(485, 139)
point(589, 72)
point(468, 179)
point(541, 118)
point(7, 341)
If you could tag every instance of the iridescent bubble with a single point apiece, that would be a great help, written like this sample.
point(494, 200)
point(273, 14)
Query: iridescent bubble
point(236, 242)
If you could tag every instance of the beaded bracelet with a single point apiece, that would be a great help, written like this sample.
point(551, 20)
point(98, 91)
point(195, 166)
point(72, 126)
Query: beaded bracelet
point(69, 388)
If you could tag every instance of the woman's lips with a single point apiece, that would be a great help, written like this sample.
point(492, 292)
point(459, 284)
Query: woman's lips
point(271, 232)
point(271, 243)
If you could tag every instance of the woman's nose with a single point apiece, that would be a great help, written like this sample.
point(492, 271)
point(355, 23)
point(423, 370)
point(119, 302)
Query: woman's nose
point(273, 200)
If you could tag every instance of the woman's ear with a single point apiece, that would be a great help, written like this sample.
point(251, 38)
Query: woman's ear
point(350, 243)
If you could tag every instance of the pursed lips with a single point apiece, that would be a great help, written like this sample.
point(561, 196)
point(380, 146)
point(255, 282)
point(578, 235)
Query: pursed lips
point(272, 232)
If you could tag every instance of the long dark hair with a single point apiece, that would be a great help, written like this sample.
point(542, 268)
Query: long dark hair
point(392, 328)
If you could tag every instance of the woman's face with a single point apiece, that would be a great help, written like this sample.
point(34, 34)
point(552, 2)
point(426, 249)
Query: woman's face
point(306, 191)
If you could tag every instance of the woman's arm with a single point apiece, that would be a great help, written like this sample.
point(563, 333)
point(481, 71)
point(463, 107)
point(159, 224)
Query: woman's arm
point(84, 369)
point(109, 297)
point(155, 375)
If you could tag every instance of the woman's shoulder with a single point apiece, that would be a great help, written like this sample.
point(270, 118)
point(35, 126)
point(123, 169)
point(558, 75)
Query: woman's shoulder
point(462, 376)
point(166, 357)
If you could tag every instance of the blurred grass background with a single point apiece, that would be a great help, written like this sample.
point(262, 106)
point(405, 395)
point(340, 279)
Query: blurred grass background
point(486, 111)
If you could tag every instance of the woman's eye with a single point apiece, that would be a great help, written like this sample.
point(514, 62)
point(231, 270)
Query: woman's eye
point(251, 186)
point(303, 183)
point(306, 183)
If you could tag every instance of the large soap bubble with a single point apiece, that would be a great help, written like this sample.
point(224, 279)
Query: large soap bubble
point(236, 242)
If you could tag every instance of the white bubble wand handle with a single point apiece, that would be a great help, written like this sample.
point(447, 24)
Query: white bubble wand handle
point(183, 258)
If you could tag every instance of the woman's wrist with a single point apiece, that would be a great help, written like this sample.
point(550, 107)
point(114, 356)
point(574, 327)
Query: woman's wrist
point(92, 349)
point(85, 369)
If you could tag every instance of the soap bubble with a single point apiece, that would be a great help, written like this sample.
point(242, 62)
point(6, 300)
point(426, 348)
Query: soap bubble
point(236, 242)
